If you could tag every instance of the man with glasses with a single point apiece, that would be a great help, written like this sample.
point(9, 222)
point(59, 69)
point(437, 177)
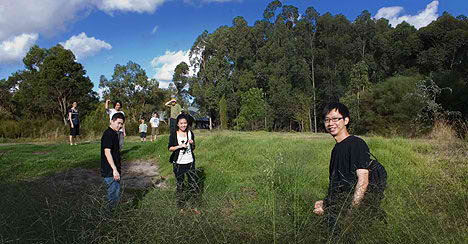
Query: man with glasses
point(349, 178)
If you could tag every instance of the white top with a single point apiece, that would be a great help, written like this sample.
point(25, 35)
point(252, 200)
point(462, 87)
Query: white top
point(143, 128)
point(111, 112)
point(154, 122)
point(185, 156)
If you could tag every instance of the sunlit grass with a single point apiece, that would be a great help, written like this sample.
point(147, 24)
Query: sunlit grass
point(260, 187)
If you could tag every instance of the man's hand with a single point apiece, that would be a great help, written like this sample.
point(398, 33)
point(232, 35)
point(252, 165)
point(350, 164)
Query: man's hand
point(318, 208)
point(116, 175)
point(71, 124)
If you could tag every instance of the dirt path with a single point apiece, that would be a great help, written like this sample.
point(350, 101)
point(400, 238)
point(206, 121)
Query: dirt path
point(136, 175)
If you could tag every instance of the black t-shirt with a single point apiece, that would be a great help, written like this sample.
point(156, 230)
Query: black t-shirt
point(74, 116)
point(110, 139)
point(347, 156)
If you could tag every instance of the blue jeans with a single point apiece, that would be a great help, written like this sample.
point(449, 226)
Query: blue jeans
point(113, 192)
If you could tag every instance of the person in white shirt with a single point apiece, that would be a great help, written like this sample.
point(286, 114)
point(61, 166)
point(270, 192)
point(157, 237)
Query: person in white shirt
point(182, 145)
point(154, 121)
point(111, 111)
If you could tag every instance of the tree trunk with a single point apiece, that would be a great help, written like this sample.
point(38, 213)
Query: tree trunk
point(313, 82)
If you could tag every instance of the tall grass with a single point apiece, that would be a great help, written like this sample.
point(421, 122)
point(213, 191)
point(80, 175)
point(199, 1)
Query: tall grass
point(259, 188)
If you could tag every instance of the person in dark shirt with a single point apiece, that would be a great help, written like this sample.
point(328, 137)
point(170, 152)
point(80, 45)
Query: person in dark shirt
point(348, 176)
point(74, 123)
point(110, 160)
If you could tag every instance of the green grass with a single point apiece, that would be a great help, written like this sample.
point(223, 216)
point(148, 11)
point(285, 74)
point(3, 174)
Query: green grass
point(260, 187)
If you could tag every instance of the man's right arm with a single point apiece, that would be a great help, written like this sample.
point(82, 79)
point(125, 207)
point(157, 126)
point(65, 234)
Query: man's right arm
point(110, 160)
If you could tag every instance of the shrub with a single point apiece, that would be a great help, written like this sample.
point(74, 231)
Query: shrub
point(95, 123)
point(9, 129)
point(443, 132)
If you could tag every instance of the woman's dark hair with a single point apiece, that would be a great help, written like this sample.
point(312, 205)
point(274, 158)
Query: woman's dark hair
point(183, 116)
point(119, 102)
point(341, 108)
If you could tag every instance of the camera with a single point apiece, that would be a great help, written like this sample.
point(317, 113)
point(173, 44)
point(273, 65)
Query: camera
point(184, 149)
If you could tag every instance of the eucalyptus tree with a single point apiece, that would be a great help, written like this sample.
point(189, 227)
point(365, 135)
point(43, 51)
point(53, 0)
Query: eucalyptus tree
point(404, 48)
point(363, 35)
point(210, 54)
point(445, 45)
point(130, 85)
point(181, 80)
point(55, 80)
point(333, 55)
point(306, 32)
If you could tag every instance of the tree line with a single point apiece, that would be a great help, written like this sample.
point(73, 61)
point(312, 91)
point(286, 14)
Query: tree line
point(278, 73)
point(273, 75)
point(34, 102)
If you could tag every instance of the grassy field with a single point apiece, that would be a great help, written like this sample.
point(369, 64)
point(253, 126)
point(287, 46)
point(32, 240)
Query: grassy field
point(258, 187)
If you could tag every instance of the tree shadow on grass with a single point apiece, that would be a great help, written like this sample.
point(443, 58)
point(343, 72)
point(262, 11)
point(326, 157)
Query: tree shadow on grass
point(40, 212)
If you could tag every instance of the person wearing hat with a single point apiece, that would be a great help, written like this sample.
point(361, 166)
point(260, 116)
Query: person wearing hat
point(176, 109)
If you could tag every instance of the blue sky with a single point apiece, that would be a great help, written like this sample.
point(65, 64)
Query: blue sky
point(157, 34)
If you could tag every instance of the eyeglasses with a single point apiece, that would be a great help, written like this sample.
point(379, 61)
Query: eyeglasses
point(328, 120)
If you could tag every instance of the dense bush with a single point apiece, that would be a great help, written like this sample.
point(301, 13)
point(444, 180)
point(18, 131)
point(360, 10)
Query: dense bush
point(390, 108)
point(9, 129)
point(33, 128)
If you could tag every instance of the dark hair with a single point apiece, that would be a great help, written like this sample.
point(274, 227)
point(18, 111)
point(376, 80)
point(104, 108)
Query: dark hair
point(118, 116)
point(183, 116)
point(119, 102)
point(341, 108)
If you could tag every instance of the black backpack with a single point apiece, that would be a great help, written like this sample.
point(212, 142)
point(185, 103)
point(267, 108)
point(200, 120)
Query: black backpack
point(377, 175)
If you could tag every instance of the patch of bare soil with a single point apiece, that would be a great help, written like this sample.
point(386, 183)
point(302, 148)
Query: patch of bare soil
point(41, 152)
point(136, 175)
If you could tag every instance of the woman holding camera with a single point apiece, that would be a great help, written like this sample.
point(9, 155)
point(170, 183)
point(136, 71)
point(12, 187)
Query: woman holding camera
point(182, 144)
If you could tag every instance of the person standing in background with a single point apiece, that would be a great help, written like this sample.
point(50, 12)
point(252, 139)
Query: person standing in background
point(176, 109)
point(143, 128)
point(74, 123)
point(154, 121)
point(111, 111)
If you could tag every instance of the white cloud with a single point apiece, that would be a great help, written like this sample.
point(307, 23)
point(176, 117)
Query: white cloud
point(44, 17)
point(14, 49)
point(423, 18)
point(49, 17)
point(83, 46)
point(165, 65)
point(154, 30)
point(139, 6)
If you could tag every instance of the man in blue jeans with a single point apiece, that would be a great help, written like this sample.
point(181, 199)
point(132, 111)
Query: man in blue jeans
point(110, 160)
